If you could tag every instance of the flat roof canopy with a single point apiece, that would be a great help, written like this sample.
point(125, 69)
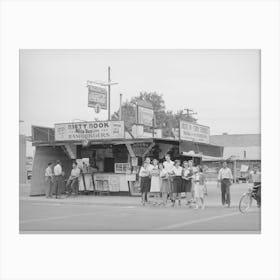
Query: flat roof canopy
point(184, 146)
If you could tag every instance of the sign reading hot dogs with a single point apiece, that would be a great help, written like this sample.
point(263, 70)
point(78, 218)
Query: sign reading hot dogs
point(194, 132)
point(89, 130)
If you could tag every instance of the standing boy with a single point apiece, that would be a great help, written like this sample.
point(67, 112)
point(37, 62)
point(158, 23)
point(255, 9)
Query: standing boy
point(57, 179)
point(225, 178)
point(49, 180)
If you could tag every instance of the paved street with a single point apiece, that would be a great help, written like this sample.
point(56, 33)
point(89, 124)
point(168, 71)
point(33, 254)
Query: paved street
point(114, 213)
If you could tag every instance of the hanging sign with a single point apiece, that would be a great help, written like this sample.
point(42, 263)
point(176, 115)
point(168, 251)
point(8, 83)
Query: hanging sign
point(97, 96)
point(85, 131)
point(145, 116)
point(194, 132)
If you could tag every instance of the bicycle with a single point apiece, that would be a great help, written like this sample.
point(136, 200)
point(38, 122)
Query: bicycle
point(246, 199)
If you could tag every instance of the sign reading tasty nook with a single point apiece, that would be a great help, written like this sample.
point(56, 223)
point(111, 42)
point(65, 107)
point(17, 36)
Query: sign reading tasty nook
point(194, 132)
point(89, 130)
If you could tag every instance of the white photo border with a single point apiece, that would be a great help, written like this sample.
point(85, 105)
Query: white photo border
point(139, 25)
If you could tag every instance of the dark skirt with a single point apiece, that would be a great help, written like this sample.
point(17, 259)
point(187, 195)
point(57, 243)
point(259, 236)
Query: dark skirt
point(145, 184)
point(177, 184)
point(186, 185)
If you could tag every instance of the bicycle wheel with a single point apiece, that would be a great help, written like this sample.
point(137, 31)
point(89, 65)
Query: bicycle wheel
point(245, 202)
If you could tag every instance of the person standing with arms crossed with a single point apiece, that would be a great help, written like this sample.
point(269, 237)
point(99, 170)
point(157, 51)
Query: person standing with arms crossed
point(225, 178)
point(57, 179)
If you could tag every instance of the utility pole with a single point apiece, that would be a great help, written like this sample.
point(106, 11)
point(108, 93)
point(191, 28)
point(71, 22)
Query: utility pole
point(120, 114)
point(190, 113)
point(109, 93)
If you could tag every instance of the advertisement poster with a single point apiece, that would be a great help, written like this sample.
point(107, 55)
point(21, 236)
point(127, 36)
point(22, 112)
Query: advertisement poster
point(194, 132)
point(89, 130)
point(97, 95)
point(145, 116)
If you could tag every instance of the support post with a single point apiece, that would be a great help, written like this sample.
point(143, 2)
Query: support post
point(109, 93)
point(120, 114)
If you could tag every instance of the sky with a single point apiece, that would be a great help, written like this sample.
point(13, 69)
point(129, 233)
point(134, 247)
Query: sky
point(222, 86)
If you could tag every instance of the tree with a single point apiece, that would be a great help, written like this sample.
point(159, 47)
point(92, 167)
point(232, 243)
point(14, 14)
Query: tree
point(128, 115)
point(165, 119)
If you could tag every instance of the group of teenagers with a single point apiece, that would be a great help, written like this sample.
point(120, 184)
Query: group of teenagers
point(168, 180)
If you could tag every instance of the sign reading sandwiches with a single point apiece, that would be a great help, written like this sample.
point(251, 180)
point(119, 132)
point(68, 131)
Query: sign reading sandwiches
point(89, 130)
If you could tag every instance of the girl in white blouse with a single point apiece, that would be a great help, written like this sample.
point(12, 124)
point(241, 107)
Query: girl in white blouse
point(155, 183)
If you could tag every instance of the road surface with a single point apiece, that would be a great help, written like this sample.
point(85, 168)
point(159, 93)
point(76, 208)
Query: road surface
point(125, 214)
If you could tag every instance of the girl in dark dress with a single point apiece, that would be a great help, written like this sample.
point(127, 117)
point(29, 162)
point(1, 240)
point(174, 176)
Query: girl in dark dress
point(177, 182)
point(187, 180)
point(145, 181)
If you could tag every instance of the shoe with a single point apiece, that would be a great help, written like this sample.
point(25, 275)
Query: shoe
point(202, 207)
point(196, 207)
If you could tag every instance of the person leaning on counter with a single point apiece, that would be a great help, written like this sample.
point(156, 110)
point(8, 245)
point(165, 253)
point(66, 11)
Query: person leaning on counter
point(73, 179)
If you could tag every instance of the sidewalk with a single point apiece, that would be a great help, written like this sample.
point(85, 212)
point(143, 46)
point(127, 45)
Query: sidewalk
point(212, 199)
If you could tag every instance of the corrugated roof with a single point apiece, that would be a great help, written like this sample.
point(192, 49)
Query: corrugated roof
point(236, 140)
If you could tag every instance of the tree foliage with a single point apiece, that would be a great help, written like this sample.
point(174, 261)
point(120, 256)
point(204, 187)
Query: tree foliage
point(165, 119)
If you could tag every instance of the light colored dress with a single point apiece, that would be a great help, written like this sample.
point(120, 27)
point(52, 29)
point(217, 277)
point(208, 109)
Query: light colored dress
point(199, 180)
point(165, 182)
point(155, 181)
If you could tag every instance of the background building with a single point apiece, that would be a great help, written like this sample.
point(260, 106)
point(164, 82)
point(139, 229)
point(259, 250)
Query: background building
point(243, 151)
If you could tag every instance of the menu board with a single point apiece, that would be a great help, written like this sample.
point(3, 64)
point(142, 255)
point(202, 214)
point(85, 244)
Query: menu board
point(122, 168)
point(107, 182)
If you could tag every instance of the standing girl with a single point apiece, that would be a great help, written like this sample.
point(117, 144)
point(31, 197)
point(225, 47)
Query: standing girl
point(187, 180)
point(199, 187)
point(177, 182)
point(155, 184)
point(144, 175)
point(191, 168)
point(164, 183)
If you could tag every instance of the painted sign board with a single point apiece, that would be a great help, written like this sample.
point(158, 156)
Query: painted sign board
point(97, 96)
point(194, 132)
point(145, 116)
point(89, 130)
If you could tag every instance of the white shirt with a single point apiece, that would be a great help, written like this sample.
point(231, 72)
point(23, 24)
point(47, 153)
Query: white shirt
point(150, 167)
point(177, 170)
point(168, 166)
point(225, 173)
point(144, 172)
point(75, 172)
point(48, 172)
point(163, 174)
point(256, 177)
point(186, 173)
point(57, 170)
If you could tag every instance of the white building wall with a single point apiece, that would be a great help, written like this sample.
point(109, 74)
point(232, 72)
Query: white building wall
point(252, 153)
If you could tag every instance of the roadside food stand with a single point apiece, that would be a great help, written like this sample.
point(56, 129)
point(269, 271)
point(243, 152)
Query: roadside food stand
point(109, 159)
